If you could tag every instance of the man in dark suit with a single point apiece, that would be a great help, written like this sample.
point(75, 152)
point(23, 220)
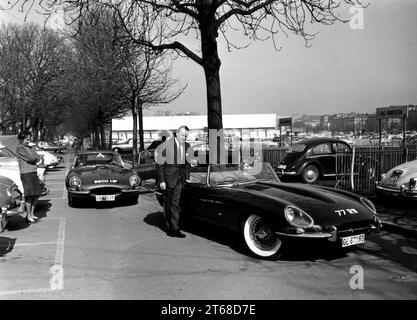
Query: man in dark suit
point(173, 171)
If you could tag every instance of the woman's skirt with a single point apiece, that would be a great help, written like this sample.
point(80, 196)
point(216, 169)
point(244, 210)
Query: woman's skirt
point(31, 184)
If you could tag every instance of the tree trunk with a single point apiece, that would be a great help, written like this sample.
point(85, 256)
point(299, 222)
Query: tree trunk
point(102, 135)
point(140, 119)
point(211, 65)
point(135, 132)
point(111, 135)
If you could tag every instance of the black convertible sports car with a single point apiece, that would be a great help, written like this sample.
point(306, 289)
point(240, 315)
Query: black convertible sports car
point(101, 175)
point(252, 200)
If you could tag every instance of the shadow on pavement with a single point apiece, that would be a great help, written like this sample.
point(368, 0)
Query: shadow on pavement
point(195, 227)
point(156, 219)
point(313, 250)
point(17, 222)
point(293, 251)
point(6, 245)
point(42, 208)
point(393, 247)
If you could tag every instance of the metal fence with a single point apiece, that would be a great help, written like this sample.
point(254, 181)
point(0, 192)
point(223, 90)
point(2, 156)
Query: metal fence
point(273, 156)
point(358, 171)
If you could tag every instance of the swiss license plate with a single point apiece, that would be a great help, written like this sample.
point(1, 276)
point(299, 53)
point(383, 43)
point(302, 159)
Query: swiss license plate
point(352, 240)
point(107, 197)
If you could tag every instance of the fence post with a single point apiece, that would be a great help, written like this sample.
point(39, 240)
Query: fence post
point(352, 167)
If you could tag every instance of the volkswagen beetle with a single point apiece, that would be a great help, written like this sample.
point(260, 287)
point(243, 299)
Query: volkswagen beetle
point(400, 181)
point(102, 177)
point(312, 159)
point(267, 213)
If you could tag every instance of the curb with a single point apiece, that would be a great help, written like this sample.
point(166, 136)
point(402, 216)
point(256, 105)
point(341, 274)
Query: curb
point(395, 228)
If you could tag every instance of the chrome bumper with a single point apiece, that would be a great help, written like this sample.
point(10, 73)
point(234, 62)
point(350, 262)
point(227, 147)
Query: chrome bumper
point(333, 234)
point(404, 192)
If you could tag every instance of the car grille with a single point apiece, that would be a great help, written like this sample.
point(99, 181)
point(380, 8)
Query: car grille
point(347, 229)
point(106, 191)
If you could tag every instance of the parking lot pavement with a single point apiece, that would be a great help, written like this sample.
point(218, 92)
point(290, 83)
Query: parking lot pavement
point(398, 215)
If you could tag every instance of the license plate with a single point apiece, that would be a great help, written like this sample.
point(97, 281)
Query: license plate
point(352, 240)
point(282, 166)
point(109, 197)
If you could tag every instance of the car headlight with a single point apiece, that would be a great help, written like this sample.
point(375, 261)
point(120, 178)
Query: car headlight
point(297, 217)
point(134, 180)
point(9, 191)
point(75, 182)
point(368, 203)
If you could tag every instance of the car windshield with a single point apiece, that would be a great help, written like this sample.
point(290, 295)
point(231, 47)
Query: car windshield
point(92, 159)
point(224, 174)
point(299, 147)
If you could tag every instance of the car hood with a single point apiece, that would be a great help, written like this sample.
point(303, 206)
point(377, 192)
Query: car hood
point(90, 173)
point(327, 206)
point(400, 175)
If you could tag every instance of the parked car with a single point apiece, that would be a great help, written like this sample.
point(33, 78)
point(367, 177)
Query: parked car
point(101, 176)
point(50, 161)
point(10, 198)
point(9, 167)
point(50, 146)
point(267, 213)
point(312, 159)
point(125, 146)
point(146, 168)
point(400, 181)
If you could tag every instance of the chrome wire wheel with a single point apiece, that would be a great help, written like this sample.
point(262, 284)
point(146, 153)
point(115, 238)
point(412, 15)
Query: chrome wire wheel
point(260, 238)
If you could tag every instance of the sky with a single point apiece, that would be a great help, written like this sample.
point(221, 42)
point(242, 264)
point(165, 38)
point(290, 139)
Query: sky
point(344, 70)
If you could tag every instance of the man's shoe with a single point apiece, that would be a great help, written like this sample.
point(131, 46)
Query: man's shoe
point(170, 233)
point(179, 234)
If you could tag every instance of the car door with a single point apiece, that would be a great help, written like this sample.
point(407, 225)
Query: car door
point(146, 168)
point(323, 154)
point(196, 200)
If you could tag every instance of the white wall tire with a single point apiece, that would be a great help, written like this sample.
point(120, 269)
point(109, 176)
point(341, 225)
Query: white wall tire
point(260, 238)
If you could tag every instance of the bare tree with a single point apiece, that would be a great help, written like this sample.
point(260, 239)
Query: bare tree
point(134, 74)
point(31, 66)
point(148, 82)
point(169, 22)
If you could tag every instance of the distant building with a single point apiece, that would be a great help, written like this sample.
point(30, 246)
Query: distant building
point(347, 123)
point(244, 126)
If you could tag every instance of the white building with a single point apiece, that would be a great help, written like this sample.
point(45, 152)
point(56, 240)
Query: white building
point(263, 126)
